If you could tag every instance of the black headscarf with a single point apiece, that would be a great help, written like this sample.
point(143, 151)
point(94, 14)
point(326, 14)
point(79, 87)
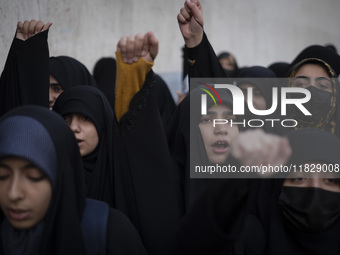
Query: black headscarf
point(104, 73)
point(69, 72)
point(42, 137)
point(279, 68)
point(321, 52)
point(91, 102)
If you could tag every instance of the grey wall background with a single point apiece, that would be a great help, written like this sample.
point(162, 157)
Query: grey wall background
point(257, 32)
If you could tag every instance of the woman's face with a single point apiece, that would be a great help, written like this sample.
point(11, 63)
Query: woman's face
point(326, 181)
point(55, 90)
point(228, 63)
point(25, 192)
point(217, 140)
point(85, 132)
point(312, 75)
point(259, 102)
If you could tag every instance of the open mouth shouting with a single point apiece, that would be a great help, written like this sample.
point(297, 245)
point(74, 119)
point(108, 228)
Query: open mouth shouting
point(80, 142)
point(220, 146)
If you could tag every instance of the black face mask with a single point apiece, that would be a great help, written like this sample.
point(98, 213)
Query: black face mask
point(319, 105)
point(309, 210)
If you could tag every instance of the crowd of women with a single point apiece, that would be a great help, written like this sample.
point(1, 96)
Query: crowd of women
point(105, 163)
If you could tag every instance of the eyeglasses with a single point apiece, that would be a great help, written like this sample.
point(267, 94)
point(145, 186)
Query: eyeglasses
point(322, 83)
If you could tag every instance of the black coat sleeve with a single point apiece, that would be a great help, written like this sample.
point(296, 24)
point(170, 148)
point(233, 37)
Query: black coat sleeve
point(164, 100)
point(144, 166)
point(25, 78)
point(206, 63)
point(122, 236)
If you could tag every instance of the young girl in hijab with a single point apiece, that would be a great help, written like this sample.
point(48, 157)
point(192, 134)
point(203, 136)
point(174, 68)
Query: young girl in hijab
point(90, 117)
point(296, 215)
point(209, 143)
point(319, 78)
point(42, 192)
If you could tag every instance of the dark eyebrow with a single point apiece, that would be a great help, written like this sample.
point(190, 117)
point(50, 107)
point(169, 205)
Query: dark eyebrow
point(5, 166)
point(323, 78)
point(254, 88)
point(228, 113)
point(212, 113)
point(68, 115)
point(28, 166)
point(303, 77)
point(225, 113)
point(23, 168)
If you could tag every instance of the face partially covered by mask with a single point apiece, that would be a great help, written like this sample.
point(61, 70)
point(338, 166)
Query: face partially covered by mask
point(310, 204)
point(310, 210)
point(315, 76)
point(320, 106)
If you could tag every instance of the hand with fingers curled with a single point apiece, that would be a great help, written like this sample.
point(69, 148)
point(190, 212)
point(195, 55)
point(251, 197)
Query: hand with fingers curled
point(255, 148)
point(190, 21)
point(134, 47)
point(135, 57)
point(30, 28)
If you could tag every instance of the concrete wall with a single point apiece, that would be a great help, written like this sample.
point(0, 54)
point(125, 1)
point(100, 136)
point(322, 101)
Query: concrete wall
point(257, 32)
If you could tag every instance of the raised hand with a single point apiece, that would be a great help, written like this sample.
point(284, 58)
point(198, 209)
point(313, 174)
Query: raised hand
point(30, 28)
point(190, 21)
point(255, 147)
point(136, 46)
